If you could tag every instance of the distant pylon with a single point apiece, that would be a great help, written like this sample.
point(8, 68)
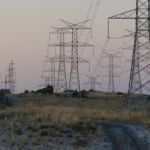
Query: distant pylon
point(49, 66)
point(6, 82)
point(93, 82)
point(62, 79)
point(61, 84)
point(45, 76)
point(140, 66)
point(74, 82)
point(49, 72)
point(111, 75)
point(11, 77)
point(111, 87)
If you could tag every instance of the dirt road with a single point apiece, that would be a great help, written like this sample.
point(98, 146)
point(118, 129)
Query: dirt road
point(123, 137)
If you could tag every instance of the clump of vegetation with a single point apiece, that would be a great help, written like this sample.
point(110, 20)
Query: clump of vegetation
point(47, 90)
point(26, 91)
point(82, 93)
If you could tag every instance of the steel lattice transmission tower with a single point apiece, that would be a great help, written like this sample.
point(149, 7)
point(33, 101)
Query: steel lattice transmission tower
point(58, 82)
point(49, 72)
point(93, 82)
point(140, 66)
point(46, 73)
point(61, 84)
point(5, 82)
point(11, 77)
point(111, 86)
point(62, 79)
point(75, 44)
point(111, 66)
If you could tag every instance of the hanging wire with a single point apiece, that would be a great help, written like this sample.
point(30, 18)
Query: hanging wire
point(123, 46)
point(101, 55)
point(81, 8)
point(95, 11)
point(90, 9)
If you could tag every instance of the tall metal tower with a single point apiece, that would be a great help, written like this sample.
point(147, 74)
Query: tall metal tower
point(45, 75)
point(93, 82)
point(11, 77)
point(75, 44)
point(49, 72)
point(140, 66)
point(52, 77)
point(6, 82)
point(62, 79)
point(61, 84)
point(111, 74)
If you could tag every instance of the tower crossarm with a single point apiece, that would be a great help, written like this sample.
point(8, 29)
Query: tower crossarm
point(69, 44)
point(78, 26)
point(57, 58)
point(125, 15)
point(92, 81)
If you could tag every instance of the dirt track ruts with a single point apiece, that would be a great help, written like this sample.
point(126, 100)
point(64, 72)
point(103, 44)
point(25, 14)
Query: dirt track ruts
point(126, 137)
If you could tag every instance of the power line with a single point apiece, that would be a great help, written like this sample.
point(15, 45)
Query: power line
point(94, 14)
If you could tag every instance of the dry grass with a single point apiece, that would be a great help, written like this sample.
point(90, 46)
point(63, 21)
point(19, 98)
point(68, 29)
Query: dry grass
point(39, 117)
point(63, 111)
point(69, 115)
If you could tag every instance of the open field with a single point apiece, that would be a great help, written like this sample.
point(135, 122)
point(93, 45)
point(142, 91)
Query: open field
point(94, 106)
point(38, 119)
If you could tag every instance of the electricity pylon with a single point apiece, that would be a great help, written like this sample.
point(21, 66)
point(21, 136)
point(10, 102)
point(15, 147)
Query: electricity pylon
point(49, 72)
point(62, 79)
point(75, 44)
point(140, 66)
point(45, 75)
point(5, 82)
point(61, 84)
point(11, 77)
point(49, 69)
point(58, 82)
point(111, 75)
point(61, 59)
point(93, 82)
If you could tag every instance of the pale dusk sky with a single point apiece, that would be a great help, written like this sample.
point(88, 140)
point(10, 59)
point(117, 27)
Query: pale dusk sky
point(24, 28)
